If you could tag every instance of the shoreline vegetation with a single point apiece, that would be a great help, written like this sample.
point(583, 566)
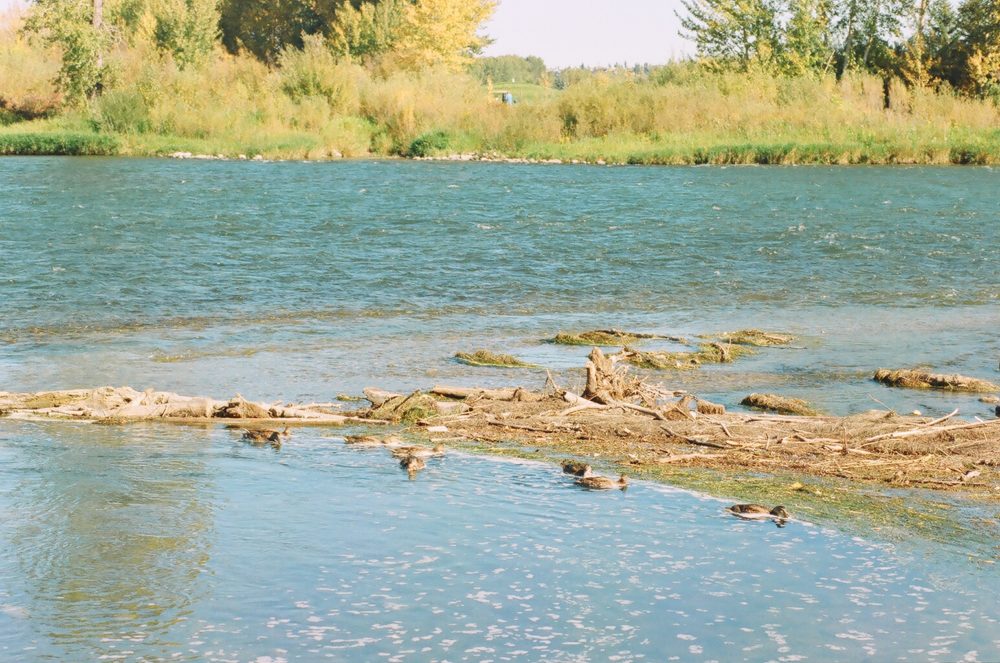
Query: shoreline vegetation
point(396, 78)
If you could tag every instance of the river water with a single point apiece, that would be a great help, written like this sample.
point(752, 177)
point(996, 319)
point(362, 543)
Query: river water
point(301, 281)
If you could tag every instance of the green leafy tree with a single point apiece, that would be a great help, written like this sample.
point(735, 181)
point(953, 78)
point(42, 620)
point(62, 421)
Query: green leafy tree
point(367, 31)
point(871, 30)
point(732, 32)
point(979, 29)
point(188, 29)
point(942, 44)
point(76, 27)
point(807, 40)
point(266, 27)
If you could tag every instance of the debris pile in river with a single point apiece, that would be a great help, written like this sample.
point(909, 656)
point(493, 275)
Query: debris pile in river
point(609, 338)
point(651, 429)
point(779, 404)
point(492, 359)
point(127, 404)
point(917, 379)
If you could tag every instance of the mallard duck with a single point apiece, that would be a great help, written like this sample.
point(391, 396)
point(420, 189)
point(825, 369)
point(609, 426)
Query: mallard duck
point(262, 437)
point(576, 467)
point(371, 440)
point(759, 512)
point(412, 464)
point(756, 510)
point(594, 482)
point(418, 451)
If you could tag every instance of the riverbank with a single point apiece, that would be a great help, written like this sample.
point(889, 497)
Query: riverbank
point(984, 149)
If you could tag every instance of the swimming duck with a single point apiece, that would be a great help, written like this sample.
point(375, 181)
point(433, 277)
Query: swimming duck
point(412, 464)
point(259, 438)
point(418, 451)
point(371, 440)
point(576, 467)
point(594, 482)
point(757, 512)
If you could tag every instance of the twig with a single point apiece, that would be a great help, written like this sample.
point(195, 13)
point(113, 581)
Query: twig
point(926, 431)
point(944, 418)
point(695, 441)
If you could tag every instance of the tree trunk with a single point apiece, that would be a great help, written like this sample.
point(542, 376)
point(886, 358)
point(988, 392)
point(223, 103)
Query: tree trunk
point(98, 23)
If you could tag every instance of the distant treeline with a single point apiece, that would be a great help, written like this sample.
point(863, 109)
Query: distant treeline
point(921, 42)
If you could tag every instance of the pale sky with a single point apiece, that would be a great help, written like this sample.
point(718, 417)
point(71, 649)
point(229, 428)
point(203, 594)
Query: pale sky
point(566, 33)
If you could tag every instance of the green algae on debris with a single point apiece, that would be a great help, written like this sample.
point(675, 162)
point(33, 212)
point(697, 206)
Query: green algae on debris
point(707, 353)
point(604, 337)
point(779, 404)
point(492, 359)
point(917, 379)
point(755, 337)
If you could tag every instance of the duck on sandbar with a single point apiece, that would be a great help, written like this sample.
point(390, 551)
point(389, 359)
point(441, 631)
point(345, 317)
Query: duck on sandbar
point(418, 451)
point(259, 438)
point(595, 482)
point(576, 467)
point(758, 512)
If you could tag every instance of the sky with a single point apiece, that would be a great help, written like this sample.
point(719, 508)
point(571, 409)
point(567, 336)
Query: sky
point(567, 33)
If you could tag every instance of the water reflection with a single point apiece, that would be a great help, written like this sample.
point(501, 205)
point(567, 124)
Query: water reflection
point(113, 528)
point(162, 542)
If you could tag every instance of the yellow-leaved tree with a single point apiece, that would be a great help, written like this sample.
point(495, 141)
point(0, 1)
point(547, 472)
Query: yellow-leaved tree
point(442, 32)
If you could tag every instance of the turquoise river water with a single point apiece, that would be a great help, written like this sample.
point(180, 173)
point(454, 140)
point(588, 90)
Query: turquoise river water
point(299, 281)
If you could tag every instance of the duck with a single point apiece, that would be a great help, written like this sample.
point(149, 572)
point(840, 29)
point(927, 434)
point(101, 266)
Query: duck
point(594, 482)
point(412, 464)
point(371, 440)
point(418, 451)
point(759, 512)
point(576, 467)
point(262, 437)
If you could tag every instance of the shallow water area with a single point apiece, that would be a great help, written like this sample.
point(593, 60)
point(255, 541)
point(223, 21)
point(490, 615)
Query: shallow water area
point(299, 282)
point(176, 543)
point(202, 276)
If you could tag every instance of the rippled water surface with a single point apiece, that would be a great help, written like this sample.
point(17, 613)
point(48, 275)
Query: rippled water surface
point(183, 544)
point(301, 281)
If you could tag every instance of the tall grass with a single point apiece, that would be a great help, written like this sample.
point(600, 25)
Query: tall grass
point(312, 106)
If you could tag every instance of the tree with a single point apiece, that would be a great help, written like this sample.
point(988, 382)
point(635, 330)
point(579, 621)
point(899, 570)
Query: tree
point(187, 29)
point(740, 32)
point(979, 28)
point(442, 32)
point(266, 27)
point(807, 42)
point(77, 28)
point(871, 29)
point(366, 31)
point(942, 44)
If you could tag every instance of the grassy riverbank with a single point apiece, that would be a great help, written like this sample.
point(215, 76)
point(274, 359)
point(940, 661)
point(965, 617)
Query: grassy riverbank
point(356, 137)
point(313, 107)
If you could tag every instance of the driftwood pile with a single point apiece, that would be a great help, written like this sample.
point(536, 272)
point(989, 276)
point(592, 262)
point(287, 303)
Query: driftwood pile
point(123, 404)
point(628, 421)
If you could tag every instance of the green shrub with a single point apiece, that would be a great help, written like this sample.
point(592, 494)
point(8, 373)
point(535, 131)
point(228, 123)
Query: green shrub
point(427, 144)
point(312, 71)
point(57, 143)
point(123, 111)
